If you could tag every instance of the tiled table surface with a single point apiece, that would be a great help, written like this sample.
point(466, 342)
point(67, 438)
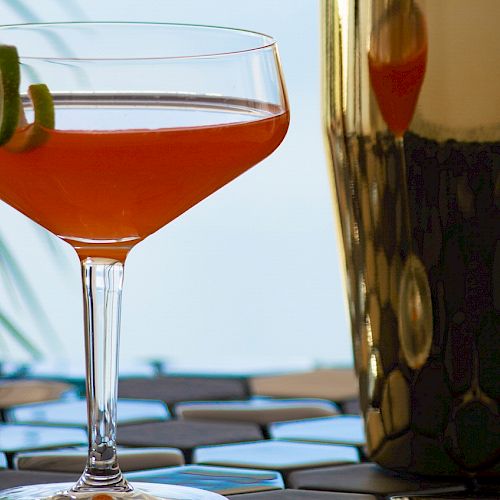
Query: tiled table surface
point(74, 412)
point(262, 438)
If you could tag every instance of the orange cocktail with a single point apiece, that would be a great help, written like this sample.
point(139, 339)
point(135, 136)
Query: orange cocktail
point(141, 178)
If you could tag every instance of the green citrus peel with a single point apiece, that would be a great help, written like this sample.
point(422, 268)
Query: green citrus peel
point(32, 135)
point(10, 101)
point(16, 134)
point(43, 105)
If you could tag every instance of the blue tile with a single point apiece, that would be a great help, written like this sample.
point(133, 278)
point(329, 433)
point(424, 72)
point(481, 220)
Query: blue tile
point(15, 438)
point(341, 429)
point(74, 412)
point(276, 455)
point(223, 480)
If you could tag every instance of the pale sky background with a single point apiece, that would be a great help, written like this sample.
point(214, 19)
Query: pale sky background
point(251, 276)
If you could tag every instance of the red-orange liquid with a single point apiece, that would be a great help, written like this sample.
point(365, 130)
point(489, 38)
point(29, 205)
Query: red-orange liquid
point(104, 191)
point(396, 86)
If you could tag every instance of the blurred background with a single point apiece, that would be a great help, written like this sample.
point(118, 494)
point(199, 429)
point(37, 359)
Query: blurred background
point(249, 278)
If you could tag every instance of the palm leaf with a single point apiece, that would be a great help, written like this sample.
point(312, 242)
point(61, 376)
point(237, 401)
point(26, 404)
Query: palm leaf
point(20, 337)
point(25, 12)
point(29, 297)
point(74, 9)
point(30, 16)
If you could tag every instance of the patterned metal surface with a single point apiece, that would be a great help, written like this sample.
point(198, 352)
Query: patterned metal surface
point(431, 395)
point(420, 228)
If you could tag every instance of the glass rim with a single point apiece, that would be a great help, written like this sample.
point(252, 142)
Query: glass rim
point(268, 41)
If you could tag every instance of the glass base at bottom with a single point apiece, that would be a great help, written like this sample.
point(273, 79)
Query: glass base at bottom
point(142, 491)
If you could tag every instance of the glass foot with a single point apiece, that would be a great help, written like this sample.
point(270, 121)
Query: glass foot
point(142, 491)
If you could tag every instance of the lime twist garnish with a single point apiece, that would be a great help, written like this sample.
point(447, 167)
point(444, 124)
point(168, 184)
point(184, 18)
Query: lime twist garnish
point(43, 105)
point(32, 135)
point(15, 132)
point(10, 101)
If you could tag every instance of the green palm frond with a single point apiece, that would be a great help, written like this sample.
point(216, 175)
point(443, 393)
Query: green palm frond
point(6, 279)
point(57, 42)
point(22, 286)
point(21, 338)
point(30, 16)
point(31, 73)
point(74, 9)
point(23, 11)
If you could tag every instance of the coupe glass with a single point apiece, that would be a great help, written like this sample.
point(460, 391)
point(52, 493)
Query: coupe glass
point(150, 120)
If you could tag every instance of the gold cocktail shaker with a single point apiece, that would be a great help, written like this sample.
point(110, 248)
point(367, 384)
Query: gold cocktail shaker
point(411, 104)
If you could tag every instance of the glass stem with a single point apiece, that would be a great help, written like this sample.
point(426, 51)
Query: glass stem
point(102, 290)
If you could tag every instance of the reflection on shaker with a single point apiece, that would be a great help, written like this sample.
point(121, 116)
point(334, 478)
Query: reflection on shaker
point(374, 378)
point(395, 404)
point(415, 313)
point(374, 428)
point(397, 60)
